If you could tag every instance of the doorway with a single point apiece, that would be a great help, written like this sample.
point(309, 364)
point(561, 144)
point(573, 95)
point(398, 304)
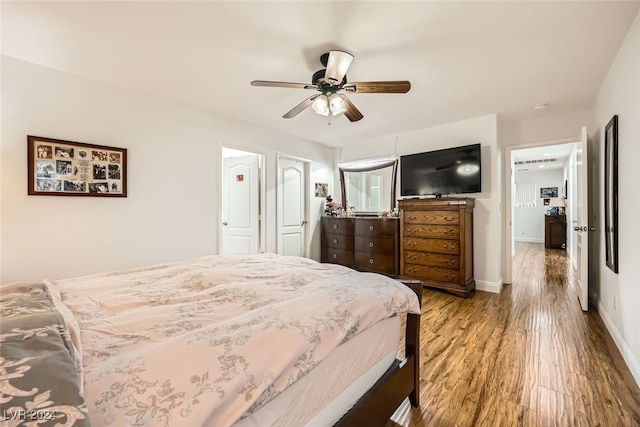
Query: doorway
point(241, 229)
point(548, 166)
point(575, 186)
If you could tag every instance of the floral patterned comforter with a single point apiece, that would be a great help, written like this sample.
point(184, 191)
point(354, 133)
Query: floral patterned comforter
point(39, 378)
point(205, 342)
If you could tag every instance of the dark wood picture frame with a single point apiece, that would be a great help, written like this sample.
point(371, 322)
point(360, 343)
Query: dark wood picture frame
point(611, 192)
point(66, 168)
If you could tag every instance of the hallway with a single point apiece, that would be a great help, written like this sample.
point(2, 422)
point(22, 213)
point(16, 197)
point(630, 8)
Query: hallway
point(526, 357)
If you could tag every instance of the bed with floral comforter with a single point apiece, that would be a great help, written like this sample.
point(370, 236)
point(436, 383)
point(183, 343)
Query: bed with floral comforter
point(208, 341)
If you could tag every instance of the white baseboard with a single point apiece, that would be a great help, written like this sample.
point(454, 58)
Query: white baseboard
point(529, 239)
point(628, 356)
point(492, 287)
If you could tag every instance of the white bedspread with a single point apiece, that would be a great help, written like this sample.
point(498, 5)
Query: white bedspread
point(205, 342)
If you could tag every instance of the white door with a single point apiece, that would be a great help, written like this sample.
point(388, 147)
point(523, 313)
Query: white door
point(292, 216)
point(581, 226)
point(240, 205)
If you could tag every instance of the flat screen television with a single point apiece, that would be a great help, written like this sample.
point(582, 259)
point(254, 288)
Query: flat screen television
point(454, 170)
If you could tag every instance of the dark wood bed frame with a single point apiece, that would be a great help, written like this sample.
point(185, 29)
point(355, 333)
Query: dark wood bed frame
point(402, 379)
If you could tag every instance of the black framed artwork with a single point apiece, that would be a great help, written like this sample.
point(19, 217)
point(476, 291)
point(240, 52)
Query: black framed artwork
point(611, 192)
point(548, 192)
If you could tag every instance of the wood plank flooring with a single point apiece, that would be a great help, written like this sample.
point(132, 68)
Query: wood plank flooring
point(526, 357)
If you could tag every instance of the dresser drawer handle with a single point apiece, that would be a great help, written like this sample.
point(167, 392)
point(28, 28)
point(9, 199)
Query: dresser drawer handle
point(371, 244)
point(335, 256)
point(413, 218)
point(335, 240)
point(335, 226)
point(448, 218)
point(370, 260)
point(371, 228)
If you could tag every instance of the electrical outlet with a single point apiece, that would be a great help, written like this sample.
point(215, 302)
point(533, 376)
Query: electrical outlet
point(615, 301)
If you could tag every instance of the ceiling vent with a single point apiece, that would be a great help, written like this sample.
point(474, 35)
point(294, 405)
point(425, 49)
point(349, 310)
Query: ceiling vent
point(535, 161)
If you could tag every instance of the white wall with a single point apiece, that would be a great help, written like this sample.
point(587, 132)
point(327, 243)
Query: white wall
point(528, 222)
point(487, 213)
point(618, 295)
point(171, 211)
point(553, 129)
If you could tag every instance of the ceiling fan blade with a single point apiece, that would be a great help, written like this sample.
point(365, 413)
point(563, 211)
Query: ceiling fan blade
point(337, 66)
point(351, 112)
point(300, 107)
point(400, 86)
point(282, 84)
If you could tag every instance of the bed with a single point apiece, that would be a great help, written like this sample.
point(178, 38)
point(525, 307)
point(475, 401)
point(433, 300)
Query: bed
point(242, 340)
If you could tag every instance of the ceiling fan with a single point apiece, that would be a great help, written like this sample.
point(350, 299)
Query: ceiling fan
point(331, 82)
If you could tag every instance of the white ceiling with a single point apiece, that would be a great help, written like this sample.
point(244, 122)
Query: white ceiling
point(464, 59)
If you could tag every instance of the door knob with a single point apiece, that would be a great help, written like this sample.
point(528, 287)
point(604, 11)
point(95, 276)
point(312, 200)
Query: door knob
point(225, 223)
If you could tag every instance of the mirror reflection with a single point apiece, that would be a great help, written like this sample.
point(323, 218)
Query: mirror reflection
point(369, 186)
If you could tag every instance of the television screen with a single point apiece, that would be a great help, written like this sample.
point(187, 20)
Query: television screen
point(449, 171)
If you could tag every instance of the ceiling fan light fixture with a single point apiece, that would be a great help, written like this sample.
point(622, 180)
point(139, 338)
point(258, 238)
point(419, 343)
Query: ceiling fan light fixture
point(321, 105)
point(337, 105)
point(332, 105)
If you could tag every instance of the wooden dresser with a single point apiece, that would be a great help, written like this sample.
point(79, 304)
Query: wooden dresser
point(363, 243)
point(436, 243)
point(555, 231)
point(336, 242)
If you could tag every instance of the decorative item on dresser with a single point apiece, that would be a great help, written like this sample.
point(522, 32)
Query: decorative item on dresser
point(437, 243)
point(364, 243)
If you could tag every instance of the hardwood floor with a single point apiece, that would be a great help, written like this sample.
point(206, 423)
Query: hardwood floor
point(526, 357)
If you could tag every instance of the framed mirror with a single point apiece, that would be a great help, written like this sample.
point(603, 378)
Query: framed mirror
point(369, 186)
point(611, 192)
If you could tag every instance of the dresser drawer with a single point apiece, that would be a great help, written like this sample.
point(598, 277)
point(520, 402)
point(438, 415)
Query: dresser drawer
point(337, 241)
point(375, 244)
point(432, 273)
point(433, 231)
point(337, 256)
point(378, 263)
point(439, 246)
point(376, 227)
point(431, 217)
point(338, 225)
point(432, 259)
